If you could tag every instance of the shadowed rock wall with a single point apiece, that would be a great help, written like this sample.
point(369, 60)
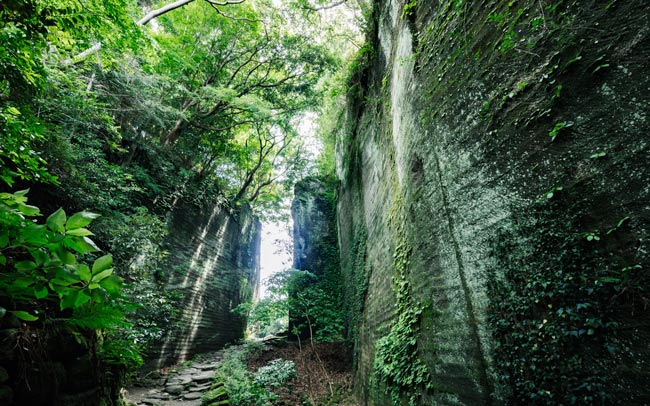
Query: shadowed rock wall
point(495, 182)
point(315, 245)
point(314, 225)
point(214, 265)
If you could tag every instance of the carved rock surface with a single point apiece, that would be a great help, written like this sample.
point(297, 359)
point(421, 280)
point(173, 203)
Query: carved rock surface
point(492, 144)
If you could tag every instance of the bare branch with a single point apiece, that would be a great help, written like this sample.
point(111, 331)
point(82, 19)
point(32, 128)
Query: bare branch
point(327, 6)
point(154, 14)
point(231, 17)
point(162, 10)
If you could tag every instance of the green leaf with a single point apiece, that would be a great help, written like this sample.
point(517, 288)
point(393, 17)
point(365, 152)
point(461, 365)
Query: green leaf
point(3, 260)
point(66, 276)
point(56, 221)
point(3, 311)
point(84, 272)
point(112, 284)
point(98, 277)
point(82, 298)
point(40, 257)
point(102, 263)
point(40, 291)
point(82, 245)
point(65, 256)
point(23, 315)
point(79, 232)
point(25, 265)
point(4, 240)
point(33, 235)
point(28, 210)
point(68, 300)
point(80, 219)
point(60, 289)
point(21, 283)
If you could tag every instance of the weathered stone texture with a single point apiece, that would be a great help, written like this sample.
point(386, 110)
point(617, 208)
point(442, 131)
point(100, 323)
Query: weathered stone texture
point(314, 227)
point(454, 122)
point(214, 264)
point(315, 244)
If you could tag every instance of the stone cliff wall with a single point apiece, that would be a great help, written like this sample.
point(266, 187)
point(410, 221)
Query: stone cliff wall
point(315, 245)
point(493, 212)
point(314, 225)
point(214, 265)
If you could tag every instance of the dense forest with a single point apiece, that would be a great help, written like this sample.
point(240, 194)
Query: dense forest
point(468, 183)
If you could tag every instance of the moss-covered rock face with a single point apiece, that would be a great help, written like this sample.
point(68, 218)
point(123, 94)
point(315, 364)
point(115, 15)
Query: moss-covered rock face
point(513, 138)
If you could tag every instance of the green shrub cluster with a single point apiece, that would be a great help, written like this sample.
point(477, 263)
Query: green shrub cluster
point(245, 388)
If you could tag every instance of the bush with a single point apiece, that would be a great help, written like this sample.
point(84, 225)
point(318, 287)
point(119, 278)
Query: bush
point(243, 387)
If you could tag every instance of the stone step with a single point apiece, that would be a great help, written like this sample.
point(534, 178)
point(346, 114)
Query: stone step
point(192, 396)
point(201, 388)
point(203, 377)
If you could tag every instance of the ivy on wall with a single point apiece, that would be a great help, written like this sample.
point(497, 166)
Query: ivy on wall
point(397, 364)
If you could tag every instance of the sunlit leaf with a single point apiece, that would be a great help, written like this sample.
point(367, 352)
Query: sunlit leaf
point(102, 263)
point(22, 315)
point(79, 220)
point(56, 221)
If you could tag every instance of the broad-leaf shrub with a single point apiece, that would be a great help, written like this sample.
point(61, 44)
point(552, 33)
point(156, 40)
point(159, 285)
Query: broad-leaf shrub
point(41, 264)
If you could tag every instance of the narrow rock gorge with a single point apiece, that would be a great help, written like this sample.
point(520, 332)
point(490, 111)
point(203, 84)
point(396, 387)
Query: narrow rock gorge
point(492, 213)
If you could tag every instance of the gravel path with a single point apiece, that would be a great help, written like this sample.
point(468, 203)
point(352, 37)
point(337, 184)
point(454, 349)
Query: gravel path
point(181, 386)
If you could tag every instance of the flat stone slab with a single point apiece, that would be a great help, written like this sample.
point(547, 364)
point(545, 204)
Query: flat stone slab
point(207, 367)
point(152, 402)
point(192, 395)
point(180, 380)
point(201, 388)
point(203, 377)
point(174, 389)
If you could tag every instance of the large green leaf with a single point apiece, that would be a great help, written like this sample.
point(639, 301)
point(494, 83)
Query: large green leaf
point(84, 272)
point(40, 257)
point(69, 277)
point(112, 284)
point(56, 221)
point(68, 300)
point(79, 232)
point(79, 220)
point(102, 263)
point(23, 315)
point(28, 210)
point(25, 265)
point(82, 298)
point(40, 291)
point(82, 245)
point(103, 274)
point(65, 256)
point(33, 235)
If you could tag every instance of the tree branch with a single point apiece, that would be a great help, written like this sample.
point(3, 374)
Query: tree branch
point(152, 15)
point(162, 10)
point(327, 6)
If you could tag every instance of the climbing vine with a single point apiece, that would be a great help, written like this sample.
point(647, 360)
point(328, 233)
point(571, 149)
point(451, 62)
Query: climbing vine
point(397, 363)
point(555, 315)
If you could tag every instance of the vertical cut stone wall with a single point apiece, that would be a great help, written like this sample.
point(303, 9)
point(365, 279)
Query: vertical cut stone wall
point(508, 136)
point(214, 265)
